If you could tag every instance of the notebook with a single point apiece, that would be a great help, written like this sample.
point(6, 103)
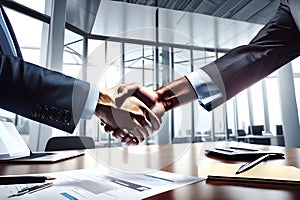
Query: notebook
point(260, 173)
point(241, 153)
point(14, 149)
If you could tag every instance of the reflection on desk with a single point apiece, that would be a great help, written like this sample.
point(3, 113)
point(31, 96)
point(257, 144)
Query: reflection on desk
point(181, 159)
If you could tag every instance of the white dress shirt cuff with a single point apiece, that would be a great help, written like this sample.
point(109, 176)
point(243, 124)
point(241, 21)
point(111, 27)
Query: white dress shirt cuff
point(205, 88)
point(91, 102)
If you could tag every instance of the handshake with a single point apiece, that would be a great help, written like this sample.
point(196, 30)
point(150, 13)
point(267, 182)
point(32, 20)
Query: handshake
point(132, 113)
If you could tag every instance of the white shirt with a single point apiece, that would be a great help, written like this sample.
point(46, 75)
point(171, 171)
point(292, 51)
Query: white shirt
point(91, 102)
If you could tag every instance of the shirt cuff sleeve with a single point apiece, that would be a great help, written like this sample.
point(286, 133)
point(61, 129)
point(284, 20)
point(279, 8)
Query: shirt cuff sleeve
point(91, 102)
point(205, 88)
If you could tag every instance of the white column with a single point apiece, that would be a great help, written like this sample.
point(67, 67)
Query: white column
point(56, 35)
point(54, 60)
point(289, 110)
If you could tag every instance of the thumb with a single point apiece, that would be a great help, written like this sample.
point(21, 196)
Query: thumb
point(125, 91)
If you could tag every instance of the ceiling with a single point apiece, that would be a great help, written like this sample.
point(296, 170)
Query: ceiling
point(209, 23)
point(254, 11)
point(83, 13)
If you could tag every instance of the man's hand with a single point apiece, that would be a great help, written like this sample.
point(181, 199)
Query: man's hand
point(130, 121)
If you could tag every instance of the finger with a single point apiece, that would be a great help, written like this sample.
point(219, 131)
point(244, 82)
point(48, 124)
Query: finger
point(127, 139)
point(108, 128)
point(142, 127)
point(131, 87)
point(149, 130)
point(136, 133)
point(133, 142)
point(149, 118)
point(140, 133)
point(102, 123)
point(118, 134)
point(153, 120)
point(134, 139)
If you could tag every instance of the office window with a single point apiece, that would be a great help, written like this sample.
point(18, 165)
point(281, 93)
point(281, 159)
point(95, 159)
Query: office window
point(202, 118)
point(139, 64)
point(134, 64)
point(257, 104)
point(243, 110)
point(183, 115)
point(296, 71)
point(29, 41)
point(231, 123)
point(111, 73)
point(148, 65)
point(73, 57)
point(37, 5)
point(273, 102)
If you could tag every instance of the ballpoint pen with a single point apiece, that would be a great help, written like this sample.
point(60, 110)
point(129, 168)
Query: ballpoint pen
point(32, 189)
point(8, 180)
point(251, 164)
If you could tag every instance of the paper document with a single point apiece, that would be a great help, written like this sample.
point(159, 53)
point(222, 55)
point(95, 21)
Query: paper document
point(103, 184)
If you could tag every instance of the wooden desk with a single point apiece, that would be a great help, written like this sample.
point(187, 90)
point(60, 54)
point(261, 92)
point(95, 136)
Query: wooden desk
point(178, 158)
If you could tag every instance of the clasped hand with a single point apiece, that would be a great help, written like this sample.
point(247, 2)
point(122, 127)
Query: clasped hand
point(128, 118)
point(131, 113)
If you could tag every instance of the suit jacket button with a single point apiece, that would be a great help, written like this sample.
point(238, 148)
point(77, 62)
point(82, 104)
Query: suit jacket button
point(52, 113)
point(59, 116)
point(67, 117)
point(44, 112)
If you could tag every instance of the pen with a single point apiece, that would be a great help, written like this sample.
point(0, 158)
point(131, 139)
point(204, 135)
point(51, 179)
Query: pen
point(32, 189)
point(8, 180)
point(251, 164)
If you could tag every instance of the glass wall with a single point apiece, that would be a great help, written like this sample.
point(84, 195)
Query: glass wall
point(183, 115)
point(152, 64)
point(296, 71)
point(37, 5)
point(73, 55)
point(243, 120)
point(273, 102)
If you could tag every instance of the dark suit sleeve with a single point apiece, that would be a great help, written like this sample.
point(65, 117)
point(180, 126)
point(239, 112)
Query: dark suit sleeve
point(40, 94)
point(277, 43)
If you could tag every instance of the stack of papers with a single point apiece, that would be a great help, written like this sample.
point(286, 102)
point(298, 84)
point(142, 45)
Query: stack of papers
point(101, 184)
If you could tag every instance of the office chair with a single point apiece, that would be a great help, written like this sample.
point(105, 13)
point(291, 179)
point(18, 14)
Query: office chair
point(256, 129)
point(69, 143)
point(241, 132)
point(279, 130)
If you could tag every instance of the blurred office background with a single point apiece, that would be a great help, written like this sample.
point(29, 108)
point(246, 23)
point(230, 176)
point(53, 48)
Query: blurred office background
point(153, 42)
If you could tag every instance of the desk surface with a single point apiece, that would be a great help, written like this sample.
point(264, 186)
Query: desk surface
point(177, 158)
